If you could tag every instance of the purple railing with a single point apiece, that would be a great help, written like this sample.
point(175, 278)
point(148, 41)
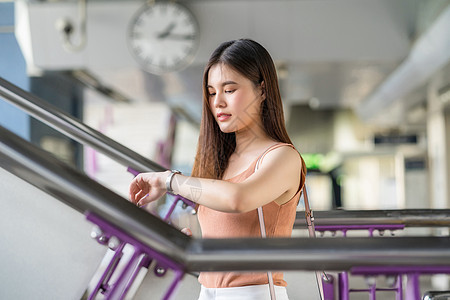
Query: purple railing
point(412, 288)
point(395, 273)
point(370, 228)
point(142, 257)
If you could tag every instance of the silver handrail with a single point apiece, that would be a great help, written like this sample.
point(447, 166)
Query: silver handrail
point(407, 217)
point(317, 254)
point(73, 128)
point(84, 194)
point(75, 189)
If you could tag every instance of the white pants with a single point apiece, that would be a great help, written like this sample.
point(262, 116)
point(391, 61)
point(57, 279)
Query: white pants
point(251, 292)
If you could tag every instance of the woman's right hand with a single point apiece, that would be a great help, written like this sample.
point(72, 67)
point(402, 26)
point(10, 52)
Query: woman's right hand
point(147, 187)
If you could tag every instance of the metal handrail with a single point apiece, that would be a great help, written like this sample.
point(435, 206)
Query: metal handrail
point(310, 254)
point(75, 189)
point(406, 217)
point(84, 194)
point(75, 129)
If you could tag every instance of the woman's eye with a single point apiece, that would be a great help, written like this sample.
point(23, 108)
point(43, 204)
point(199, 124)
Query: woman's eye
point(212, 94)
point(229, 91)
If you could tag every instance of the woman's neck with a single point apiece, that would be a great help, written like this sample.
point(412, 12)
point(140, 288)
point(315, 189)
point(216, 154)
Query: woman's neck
point(251, 139)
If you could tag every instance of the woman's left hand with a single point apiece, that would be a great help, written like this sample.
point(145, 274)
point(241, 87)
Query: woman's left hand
point(148, 187)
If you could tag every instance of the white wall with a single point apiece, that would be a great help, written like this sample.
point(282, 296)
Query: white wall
point(46, 251)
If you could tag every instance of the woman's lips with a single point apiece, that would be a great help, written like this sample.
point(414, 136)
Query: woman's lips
point(223, 117)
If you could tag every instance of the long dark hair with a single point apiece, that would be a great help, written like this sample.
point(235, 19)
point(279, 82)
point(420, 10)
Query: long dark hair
point(253, 61)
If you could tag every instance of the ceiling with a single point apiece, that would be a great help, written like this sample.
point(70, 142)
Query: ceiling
point(329, 53)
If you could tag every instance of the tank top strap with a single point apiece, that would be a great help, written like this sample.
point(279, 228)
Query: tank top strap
point(277, 145)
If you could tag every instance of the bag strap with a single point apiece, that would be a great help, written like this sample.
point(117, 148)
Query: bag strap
point(263, 235)
point(262, 226)
point(312, 234)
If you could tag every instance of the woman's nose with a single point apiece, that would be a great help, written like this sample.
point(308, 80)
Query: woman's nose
point(219, 101)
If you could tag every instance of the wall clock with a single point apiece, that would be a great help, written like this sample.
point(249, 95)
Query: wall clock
point(163, 37)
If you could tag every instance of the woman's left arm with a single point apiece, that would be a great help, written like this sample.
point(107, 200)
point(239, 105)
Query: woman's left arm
point(277, 177)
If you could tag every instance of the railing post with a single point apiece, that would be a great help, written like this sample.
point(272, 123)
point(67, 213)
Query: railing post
point(141, 258)
point(412, 287)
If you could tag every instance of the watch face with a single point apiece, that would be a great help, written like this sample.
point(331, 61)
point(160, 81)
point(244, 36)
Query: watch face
point(163, 37)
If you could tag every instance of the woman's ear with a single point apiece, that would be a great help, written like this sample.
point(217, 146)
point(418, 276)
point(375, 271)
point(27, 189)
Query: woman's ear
point(263, 90)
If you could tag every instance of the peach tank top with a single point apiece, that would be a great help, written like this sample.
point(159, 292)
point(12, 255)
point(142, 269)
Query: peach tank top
point(278, 219)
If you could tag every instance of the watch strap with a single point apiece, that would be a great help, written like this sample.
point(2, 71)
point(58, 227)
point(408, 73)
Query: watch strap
point(169, 181)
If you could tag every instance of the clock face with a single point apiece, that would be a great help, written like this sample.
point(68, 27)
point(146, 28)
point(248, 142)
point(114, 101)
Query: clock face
point(163, 37)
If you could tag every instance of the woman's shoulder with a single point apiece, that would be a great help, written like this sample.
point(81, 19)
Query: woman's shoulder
point(286, 164)
point(283, 152)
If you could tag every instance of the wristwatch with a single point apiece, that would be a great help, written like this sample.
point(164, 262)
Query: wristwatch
point(169, 181)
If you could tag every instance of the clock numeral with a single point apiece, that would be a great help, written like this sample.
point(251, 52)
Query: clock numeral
point(163, 9)
point(188, 21)
point(148, 60)
point(137, 50)
point(138, 21)
point(177, 60)
point(136, 35)
point(163, 62)
point(187, 49)
point(192, 36)
point(149, 11)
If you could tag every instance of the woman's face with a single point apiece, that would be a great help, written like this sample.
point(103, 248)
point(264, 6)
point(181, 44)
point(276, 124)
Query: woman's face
point(234, 100)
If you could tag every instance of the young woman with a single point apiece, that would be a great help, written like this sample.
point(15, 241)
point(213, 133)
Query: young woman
point(244, 160)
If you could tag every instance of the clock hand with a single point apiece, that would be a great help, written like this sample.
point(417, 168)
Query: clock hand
point(175, 36)
point(167, 31)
